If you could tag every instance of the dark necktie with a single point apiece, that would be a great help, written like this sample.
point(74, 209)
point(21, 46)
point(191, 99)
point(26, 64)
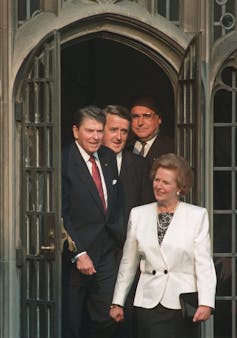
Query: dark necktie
point(142, 149)
point(97, 179)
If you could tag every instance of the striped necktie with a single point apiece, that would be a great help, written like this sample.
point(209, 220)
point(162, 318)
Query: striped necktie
point(142, 151)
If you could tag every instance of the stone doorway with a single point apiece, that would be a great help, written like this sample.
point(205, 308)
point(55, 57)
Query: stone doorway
point(102, 71)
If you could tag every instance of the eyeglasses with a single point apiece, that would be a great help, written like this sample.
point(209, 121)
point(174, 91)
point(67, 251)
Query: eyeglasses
point(146, 116)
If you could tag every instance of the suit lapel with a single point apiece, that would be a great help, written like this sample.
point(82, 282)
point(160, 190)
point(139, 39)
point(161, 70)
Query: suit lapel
point(173, 235)
point(173, 231)
point(84, 174)
point(106, 169)
point(153, 221)
point(169, 236)
point(126, 164)
point(151, 237)
point(153, 151)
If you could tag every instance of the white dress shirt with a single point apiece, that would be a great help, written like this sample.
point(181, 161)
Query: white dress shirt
point(119, 158)
point(86, 158)
point(138, 146)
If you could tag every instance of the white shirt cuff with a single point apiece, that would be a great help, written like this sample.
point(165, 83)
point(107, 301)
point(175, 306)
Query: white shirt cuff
point(73, 260)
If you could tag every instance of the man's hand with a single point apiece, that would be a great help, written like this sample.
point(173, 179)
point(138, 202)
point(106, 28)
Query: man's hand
point(117, 313)
point(85, 265)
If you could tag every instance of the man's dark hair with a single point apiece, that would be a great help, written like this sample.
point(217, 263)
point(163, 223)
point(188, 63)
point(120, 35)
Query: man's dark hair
point(118, 110)
point(91, 112)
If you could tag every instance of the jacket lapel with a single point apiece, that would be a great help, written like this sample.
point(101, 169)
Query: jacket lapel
point(161, 250)
point(106, 169)
point(85, 176)
point(173, 235)
point(151, 236)
point(126, 164)
point(173, 231)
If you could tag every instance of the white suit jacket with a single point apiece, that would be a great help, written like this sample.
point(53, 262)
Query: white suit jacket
point(182, 263)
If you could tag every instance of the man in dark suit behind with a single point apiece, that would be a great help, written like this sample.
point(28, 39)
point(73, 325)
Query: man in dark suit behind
point(93, 220)
point(133, 169)
point(149, 140)
point(136, 184)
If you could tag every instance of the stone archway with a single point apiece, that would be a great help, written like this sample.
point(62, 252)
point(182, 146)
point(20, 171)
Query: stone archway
point(132, 39)
point(128, 41)
point(104, 71)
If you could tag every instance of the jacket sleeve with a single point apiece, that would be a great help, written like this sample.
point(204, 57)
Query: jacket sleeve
point(71, 236)
point(147, 195)
point(205, 271)
point(128, 265)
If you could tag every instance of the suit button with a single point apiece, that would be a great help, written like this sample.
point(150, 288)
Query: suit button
point(165, 272)
point(153, 272)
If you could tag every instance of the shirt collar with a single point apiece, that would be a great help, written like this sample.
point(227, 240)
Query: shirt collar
point(151, 140)
point(84, 154)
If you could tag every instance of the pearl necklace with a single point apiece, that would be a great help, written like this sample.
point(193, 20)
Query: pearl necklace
point(169, 210)
point(164, 219)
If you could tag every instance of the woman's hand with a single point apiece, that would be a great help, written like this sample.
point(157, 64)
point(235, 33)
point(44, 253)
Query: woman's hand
point(116, 312)
point(203, 313)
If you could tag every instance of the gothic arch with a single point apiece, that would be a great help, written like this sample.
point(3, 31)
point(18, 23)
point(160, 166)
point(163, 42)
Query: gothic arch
point(167, 52)
point(154, 36)
point(224, 181)
point(222, 51)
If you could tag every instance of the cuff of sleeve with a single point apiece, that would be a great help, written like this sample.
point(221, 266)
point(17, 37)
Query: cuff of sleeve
point(73, 260)
point(115, 305)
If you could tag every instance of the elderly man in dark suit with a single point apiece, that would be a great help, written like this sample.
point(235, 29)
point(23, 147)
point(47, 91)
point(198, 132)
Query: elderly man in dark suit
point(149, 140)
point(91, 209)
point(136, 184)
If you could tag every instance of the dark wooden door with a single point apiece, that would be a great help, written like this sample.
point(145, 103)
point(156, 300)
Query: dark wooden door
point(39, 253)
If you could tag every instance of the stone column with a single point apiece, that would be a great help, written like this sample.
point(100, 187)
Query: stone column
point(9, 297)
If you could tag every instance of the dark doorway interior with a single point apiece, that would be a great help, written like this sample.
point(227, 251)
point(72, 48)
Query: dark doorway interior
point(102, 71)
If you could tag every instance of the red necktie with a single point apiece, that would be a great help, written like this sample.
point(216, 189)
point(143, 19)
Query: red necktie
point(97, 179)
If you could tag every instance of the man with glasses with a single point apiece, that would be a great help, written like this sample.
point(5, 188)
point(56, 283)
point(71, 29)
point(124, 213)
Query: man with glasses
point(149, 140)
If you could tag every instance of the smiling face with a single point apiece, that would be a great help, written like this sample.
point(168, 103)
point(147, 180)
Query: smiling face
point(165, 186)
point(145, 122)
point(115, 132)
point(89, 134)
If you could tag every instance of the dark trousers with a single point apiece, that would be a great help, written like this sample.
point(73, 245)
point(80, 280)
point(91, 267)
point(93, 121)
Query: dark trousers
point(86, 300)
point(160, 322)
point(128, 327)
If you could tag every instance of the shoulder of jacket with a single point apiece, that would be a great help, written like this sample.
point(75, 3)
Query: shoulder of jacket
point(104, 149)
point(134, 157)
point(192, 207)
point(144, 208)
point(68, 151)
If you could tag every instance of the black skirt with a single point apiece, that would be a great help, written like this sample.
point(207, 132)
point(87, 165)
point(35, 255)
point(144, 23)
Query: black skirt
point(160, 322)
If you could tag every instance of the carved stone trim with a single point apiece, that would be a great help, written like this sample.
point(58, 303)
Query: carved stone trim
point(9, 324)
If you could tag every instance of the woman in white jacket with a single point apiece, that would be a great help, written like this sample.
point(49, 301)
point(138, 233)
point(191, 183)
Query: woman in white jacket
point(170, 240)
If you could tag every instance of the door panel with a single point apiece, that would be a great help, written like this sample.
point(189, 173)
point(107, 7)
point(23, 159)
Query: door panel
point(187, 117)
point(40, 233)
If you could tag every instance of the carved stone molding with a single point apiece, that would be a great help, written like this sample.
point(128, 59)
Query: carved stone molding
point(8, 281)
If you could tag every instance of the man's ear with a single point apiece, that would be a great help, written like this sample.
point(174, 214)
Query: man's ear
point(159, 119)
point(75, 131)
